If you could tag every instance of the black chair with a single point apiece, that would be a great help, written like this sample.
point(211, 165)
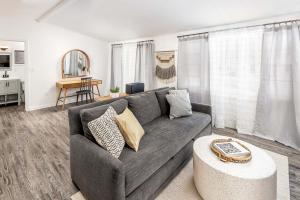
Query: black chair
point(85, 89)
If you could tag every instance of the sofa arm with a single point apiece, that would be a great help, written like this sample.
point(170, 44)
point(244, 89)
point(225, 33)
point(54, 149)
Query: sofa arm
point(96, 172)
point(201, 108)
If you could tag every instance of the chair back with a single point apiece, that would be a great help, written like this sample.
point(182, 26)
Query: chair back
point(86, 83)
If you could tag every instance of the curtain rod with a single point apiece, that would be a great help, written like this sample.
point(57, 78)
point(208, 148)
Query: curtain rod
point(251, 26)
point(133, 42)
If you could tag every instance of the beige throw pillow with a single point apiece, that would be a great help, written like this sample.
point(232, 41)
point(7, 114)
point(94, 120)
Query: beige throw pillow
point(131, 129)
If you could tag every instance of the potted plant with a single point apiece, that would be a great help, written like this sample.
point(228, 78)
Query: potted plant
point(115, 92)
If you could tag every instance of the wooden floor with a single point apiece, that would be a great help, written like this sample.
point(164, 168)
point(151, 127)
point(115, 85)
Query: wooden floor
point(34, 155)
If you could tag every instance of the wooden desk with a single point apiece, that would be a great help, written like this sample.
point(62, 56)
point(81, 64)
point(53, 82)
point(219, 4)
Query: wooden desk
point(70, 84)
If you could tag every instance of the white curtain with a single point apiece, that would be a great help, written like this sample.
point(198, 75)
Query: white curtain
point(128, 63)
point(235, 61)
point(144, 64)
point(133, 62)
point(122, 64)
point(193, 67)
point(116, 66)
point(278, 109)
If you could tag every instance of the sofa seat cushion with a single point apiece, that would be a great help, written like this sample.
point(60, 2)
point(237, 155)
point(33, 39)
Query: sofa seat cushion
point(164, 138)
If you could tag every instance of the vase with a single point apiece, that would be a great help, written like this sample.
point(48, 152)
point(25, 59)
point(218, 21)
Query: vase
point(114, 95)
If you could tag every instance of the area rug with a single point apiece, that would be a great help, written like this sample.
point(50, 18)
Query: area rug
point(182, 186)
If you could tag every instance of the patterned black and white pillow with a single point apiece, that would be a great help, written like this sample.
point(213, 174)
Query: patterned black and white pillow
point(106, 132)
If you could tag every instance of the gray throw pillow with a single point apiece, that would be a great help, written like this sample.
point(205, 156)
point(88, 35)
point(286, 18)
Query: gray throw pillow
point(106, 132)
point(90, 114)
point(144, 106)
point(180, 104)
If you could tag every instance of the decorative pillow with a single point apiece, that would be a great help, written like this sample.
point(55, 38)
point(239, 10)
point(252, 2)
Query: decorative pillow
point(144, 106)
point(90, 114)
point(180, 104)
point(163, 103)
point(130, 128)
point(183, 93)
point(107, 133)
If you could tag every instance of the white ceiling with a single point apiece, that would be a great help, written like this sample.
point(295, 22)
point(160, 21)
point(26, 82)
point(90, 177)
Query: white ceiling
point(128, 19)
point(24, 9)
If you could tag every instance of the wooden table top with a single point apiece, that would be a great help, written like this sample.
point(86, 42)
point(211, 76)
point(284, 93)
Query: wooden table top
point(74, 83)
point(104, 98)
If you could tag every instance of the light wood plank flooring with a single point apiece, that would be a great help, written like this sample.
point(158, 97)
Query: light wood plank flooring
point(34, 155)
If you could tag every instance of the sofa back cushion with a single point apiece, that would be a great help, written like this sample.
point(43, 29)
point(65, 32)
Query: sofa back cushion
point(162, 100)
point(144, 106)
point(90, 114)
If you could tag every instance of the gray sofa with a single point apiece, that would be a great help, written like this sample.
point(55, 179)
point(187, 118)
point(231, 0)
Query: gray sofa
point(164, 149)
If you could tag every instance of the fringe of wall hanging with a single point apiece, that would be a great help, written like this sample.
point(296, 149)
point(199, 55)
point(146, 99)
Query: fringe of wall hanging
point(167, 74)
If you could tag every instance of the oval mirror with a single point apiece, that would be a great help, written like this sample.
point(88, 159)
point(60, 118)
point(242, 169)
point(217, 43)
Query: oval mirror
point(75, 63)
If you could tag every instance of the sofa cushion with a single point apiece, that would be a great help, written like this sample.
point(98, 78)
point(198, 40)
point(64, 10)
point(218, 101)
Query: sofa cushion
point(163, 103)
point(163, 176)
point(164, 138)
point(144, 106)
point(90, 114)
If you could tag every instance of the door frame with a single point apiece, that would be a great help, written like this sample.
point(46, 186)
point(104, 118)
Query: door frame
point(26, 66)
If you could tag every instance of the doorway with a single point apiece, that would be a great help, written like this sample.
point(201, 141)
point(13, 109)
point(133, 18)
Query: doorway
point(13, 74)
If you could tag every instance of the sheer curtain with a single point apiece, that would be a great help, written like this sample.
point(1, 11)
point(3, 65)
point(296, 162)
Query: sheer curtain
point(133, 62)
point(128, 63)
point(235, 61)
point(144, 64)
point(193, 67)
point(278, 109)
point(116, 66)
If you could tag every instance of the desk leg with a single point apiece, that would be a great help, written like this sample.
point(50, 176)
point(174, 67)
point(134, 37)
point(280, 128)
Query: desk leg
point(58, 97)
point(98, 90)
point(65, 94)
point(93, 95)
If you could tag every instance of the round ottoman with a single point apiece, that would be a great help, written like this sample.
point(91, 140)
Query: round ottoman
point(216, 180)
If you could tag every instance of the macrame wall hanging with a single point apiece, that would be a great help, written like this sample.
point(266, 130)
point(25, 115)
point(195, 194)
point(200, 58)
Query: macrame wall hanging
point(165, 66)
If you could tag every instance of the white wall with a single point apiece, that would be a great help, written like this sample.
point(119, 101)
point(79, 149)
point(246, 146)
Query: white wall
point(18, 70)
point(46, 45)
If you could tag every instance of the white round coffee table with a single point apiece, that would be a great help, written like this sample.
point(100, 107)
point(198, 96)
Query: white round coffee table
point(216, 180)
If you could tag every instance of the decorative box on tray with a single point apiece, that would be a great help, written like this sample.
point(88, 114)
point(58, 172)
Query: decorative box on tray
point(229, 150)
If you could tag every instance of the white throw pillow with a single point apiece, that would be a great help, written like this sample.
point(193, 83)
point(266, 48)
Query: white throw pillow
point(183, 93)
point(106, 132)
point(180, 104)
